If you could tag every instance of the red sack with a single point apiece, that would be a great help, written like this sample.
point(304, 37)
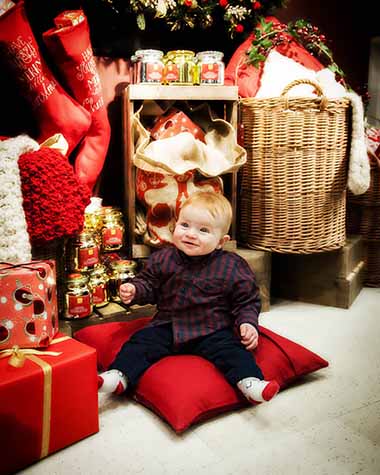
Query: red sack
point(247, 77)
point(163, 194)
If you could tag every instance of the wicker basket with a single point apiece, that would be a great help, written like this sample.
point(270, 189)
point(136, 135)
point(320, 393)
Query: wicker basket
point(293, 186)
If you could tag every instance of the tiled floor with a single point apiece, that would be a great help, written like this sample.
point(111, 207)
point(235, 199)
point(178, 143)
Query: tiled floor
point(328, 424)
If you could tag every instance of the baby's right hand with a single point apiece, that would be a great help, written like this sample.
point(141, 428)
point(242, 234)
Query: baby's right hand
point(127, 292)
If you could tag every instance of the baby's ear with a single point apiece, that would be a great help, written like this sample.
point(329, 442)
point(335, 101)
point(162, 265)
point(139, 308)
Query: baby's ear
point(223, 241)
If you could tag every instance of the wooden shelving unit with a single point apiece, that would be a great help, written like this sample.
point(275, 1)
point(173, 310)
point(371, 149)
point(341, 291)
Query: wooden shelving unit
point(136, 95)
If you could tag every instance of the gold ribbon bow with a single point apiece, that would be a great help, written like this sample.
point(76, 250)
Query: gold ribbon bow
point(17, 355)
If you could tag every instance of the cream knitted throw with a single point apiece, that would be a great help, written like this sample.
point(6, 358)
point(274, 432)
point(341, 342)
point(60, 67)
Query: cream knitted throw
point(15, 246)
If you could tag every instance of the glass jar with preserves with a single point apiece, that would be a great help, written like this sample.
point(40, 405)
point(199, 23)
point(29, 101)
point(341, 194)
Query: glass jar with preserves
point(93, 220)
point(98, 282)
point(149, 66)
point(113, 229)
point(78, 298)
point(180, 68)
point(210, 67)
point(121, 271)
point(84, 252)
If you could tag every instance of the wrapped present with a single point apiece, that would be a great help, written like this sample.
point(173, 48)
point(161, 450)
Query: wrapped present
point(48, 400)
point(173, 123)
point(28, 304)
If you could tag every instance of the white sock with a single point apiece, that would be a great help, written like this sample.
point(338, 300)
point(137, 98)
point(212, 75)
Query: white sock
point(257, 390)
point(112, 381)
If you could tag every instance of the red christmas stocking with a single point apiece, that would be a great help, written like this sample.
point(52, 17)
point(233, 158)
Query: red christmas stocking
point(54, 111)
point(70, 47)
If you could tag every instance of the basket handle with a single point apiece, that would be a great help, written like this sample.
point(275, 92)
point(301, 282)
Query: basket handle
point(297, 82)
point(317, 87)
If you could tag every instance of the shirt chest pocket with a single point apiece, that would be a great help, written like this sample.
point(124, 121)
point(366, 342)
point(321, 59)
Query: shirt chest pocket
point(210, 286)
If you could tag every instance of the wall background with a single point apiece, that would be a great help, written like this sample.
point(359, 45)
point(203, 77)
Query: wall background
point(348, 26)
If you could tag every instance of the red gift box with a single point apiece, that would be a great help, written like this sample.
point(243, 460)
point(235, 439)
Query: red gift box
point(48, 403)
point(28, 304)
point(173, 123)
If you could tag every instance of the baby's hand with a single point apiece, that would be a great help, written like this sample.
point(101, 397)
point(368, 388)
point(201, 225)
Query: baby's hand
point(127, 292)
point(249, 336)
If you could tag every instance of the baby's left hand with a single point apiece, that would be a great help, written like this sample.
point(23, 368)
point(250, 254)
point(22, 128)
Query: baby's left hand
point(249, 336)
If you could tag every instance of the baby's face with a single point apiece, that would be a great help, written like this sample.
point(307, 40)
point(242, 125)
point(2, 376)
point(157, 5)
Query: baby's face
point(197, 233)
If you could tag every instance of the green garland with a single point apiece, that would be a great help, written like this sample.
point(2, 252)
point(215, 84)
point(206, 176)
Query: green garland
point(268, 35)
point(239, 16)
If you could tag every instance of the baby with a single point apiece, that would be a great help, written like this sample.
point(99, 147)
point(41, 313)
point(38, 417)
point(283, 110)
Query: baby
point(207, 302)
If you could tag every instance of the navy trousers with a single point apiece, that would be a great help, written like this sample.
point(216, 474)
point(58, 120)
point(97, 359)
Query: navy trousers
point(223, 348)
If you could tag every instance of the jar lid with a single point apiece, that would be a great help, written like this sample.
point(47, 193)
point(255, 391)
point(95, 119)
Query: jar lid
point(148, 52)
point(123, 264)
point(97, 270)
point(217, 54)
point(180, 52)
point(85, 235)
point(110, 210)
point(76, 278)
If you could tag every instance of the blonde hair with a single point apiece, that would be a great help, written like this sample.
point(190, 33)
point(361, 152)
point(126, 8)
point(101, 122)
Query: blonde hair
point(215, 203)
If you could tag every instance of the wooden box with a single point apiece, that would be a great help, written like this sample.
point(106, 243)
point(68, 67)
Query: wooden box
point(330, 278)
point(260, 263)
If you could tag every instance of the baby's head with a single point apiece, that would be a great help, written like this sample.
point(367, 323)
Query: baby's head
point(203, 223)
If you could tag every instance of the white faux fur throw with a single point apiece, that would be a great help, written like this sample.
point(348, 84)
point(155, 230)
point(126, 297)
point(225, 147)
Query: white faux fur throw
point(359, 168)
point(15, 246)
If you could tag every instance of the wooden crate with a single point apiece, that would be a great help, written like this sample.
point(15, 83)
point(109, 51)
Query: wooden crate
point(137, 95)
point(332, 278)
point(260, 263)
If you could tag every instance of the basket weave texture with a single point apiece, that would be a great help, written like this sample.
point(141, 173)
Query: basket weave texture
point(293, 186)
point(363, 217)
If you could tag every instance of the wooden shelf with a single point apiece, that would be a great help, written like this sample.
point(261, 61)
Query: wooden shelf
point(184, 93)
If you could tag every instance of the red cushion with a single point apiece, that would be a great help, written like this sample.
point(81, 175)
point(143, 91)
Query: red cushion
point(185, 389)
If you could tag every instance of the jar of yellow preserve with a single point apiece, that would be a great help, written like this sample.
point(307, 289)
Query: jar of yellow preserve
point(98, 284)
point(78, 298)
point(113, 229)
point(84, 252)
point(180, 68)
point(121, 271)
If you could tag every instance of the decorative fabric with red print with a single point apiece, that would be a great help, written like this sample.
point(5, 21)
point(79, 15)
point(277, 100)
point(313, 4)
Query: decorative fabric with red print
point(163, 195)
point(173, 123)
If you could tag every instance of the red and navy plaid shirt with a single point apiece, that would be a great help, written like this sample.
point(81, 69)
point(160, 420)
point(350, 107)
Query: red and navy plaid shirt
point(198, 295)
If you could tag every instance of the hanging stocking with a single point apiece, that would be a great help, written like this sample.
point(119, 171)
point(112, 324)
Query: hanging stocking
point(70, 47)
point(54, 111)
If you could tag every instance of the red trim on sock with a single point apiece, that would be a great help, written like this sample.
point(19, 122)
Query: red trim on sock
point(100, 382)
point(120, 388)
point(270, 390)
